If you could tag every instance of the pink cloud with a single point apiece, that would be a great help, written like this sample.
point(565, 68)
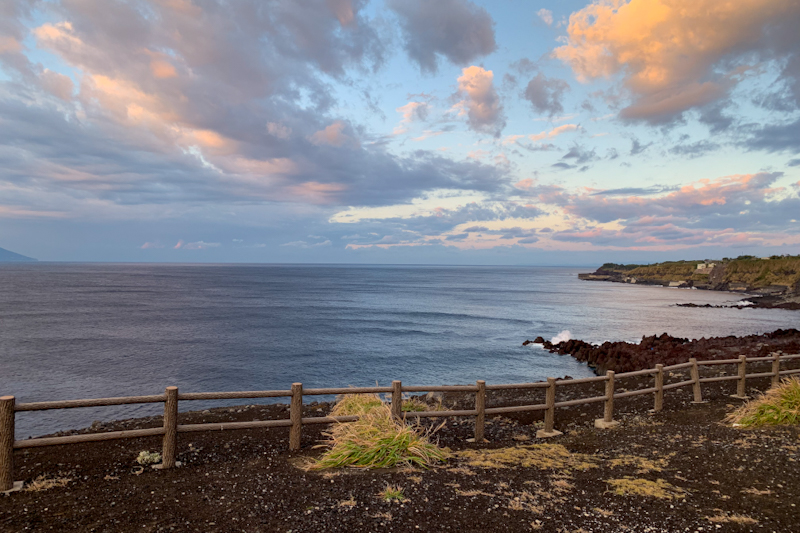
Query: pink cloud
point(671, 54)
point(334, 135)
point(482, 104)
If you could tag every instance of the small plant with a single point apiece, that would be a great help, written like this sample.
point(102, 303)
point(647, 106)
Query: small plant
point(392, 493)
point(778, 406)
point(148, 458)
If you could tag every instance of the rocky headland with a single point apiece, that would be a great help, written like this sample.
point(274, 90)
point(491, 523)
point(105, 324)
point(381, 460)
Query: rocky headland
point(769, 282)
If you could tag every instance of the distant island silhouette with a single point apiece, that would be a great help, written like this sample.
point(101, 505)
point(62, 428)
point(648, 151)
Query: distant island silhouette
point(7, 256)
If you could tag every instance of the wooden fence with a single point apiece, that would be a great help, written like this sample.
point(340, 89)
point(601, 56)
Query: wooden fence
point(295, 422)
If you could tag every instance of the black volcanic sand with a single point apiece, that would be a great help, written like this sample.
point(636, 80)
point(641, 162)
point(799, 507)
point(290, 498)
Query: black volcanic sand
point(247, 481)
point(668, 350)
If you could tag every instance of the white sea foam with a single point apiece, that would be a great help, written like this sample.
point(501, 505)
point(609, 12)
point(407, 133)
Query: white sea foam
point(561, 337)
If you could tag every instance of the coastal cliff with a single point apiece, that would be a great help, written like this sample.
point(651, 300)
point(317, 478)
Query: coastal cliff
point(775, 279)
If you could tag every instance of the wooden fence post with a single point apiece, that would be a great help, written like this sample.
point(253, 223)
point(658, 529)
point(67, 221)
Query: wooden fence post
point(6, 443)
point(170, 428)
point(608, 406)
point(550, 413)
point(776, 369)
point(740, 384)
point(480, 407)
point(296, 416)
point(698, 393)
point(397, 399)
point(659, 388)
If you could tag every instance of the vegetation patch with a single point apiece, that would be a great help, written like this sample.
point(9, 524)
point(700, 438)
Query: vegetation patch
point(45, 483)
point(544, 456)
point(778, 406)
point(376, 439)
point(642, 465)
point(659, 488)
point(732, 518)
point(148, 458)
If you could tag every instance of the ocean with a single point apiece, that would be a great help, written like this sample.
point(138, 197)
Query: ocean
point(71, 331)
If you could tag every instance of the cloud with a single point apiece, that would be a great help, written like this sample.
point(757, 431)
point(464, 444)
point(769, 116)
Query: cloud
point(747, 202)
point(678, 55)
point(278, 130)
point(637, 147)
point(305, 244)
point(575, 157)
point(546, 94)
point(150, 245)
point(247, 119)
point(695, 149)
point(777, 138)
point(334, 135)
point(199, 245)
point(411, 112)
point(555, 132)
point(441, 222)
point(546, 15)
point(458, 30)
point(482, 104)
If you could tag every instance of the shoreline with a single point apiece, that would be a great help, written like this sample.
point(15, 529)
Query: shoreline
point(668, 350)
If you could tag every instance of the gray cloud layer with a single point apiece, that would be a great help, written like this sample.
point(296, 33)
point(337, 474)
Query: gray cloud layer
point(458, 30)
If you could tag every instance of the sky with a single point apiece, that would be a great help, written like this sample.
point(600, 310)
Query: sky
point(399, 131)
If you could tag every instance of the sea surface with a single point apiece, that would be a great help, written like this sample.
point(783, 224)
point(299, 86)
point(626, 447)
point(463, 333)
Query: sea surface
point(71, 331)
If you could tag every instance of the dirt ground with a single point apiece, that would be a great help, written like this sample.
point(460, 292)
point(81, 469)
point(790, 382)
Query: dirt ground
point(709, 475)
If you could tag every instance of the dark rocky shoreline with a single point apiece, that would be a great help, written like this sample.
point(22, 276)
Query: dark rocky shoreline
point(668, 350)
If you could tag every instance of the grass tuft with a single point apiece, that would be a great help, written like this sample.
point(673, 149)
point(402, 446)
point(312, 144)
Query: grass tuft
point(659, 488)
point(376, 440)
point(778, 406)
point(393, 493)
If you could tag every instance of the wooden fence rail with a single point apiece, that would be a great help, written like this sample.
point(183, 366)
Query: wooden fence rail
point(295, 422)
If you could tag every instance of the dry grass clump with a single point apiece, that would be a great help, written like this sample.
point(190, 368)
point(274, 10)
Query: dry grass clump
point(778, 406)
point(376, 439)
point(544, 456)
point(733, 518)
point(45, 483)
point(659, 488)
